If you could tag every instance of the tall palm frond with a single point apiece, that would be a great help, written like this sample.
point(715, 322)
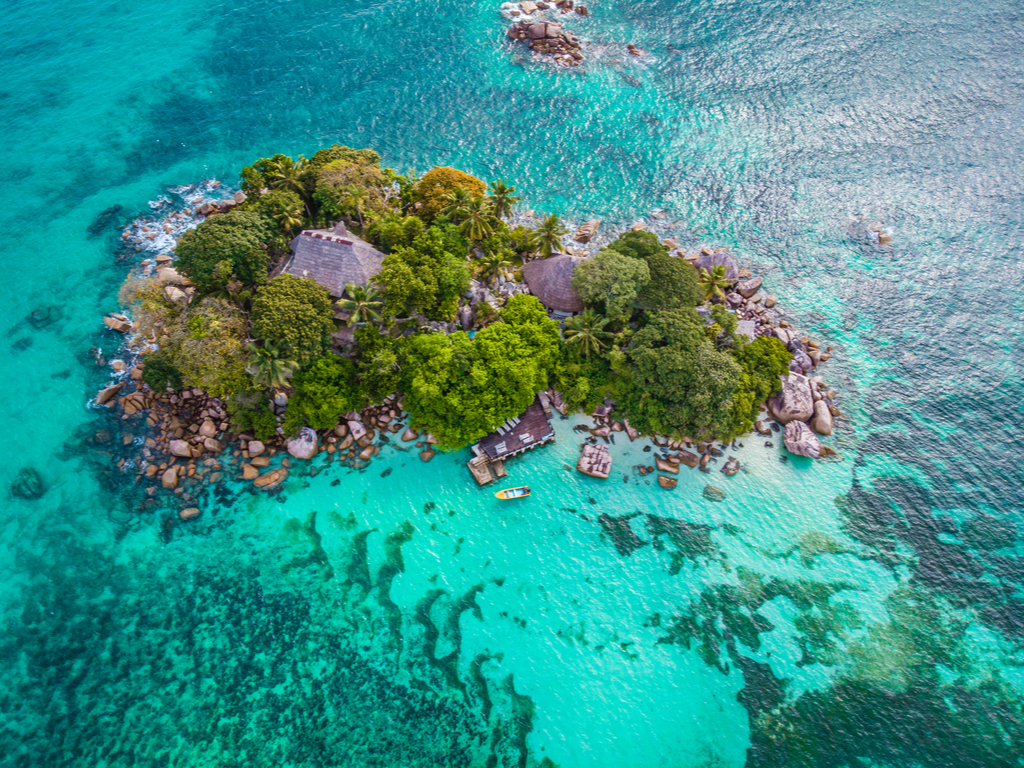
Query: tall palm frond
point(503, 198)
point(714, 283)
point(549, 235)
point(479, 219)
point(269, 367)
point(363, 303)
point(586, 332)
point(456, 203)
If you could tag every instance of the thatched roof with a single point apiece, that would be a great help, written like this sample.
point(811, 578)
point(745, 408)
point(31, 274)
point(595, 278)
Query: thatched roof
point(710, 260)
point(333, 258)
point(550, 280)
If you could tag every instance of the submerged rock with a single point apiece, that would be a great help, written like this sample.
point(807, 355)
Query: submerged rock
point(714, 494)
point(271, 479)
point(28, 484)
point(732, 466)
point(41, 317)
point(666, 466)
point(688, 458)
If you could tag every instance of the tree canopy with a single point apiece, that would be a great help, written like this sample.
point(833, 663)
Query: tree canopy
point(682, 385)
point(611, 279)
point(225, 246)
point(432, 190)
point(206, 344)
point(672, 281)
point(460, 389)
point(427, 276)
point(296, 312)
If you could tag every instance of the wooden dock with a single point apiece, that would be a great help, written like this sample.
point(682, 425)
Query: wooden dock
point(529, 430)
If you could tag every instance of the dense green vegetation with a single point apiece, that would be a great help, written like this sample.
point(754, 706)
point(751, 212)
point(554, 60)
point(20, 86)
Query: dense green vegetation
point(226, 247)
point(640, 342)
point(459, 389)
point(670, 371)
point(427, 276)
point(324, 389)
point(295, 312)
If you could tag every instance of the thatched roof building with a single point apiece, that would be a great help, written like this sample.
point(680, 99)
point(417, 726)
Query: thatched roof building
point(709, 261)
point(333, 258)
point(550, 280)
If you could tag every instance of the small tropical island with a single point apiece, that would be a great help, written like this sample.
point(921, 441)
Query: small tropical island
point(332, 303)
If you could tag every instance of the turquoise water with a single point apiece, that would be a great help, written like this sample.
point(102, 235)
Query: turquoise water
point(862, 611)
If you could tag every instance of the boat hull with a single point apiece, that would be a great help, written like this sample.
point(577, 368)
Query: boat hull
point(513, 493)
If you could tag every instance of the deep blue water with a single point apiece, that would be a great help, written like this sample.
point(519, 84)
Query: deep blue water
point(868, 611)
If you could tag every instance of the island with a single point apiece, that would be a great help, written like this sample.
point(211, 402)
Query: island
point(331, 303)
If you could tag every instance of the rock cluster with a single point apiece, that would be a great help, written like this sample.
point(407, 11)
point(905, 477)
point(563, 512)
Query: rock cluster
point(182, 440)
point(550, 39)
point(801, 441)
point(595, 460)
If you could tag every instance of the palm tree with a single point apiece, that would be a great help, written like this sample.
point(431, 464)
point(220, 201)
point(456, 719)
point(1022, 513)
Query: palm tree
point(268, 365)
point(354, 199)
point(286, 173)
point(503, 198)
point(549, 235)
point(363, 302)
point(479, 219)
point(456, 203)
point(484, 313)
point(491, 265)
point(586, 331)
point(288, 220)
point(713, 283)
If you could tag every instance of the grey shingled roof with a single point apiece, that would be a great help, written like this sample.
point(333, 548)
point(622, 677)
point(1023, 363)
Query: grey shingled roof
point(333, 258)
point(550, 280)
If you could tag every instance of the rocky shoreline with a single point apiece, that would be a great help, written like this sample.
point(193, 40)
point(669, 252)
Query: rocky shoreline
point(803, 411)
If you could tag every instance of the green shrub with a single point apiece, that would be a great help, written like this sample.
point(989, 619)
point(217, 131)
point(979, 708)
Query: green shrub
point(257, 420)
point(159, 372)
point(295, 312)
point(324, 389)
point(225, 246)
point(390, 231)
